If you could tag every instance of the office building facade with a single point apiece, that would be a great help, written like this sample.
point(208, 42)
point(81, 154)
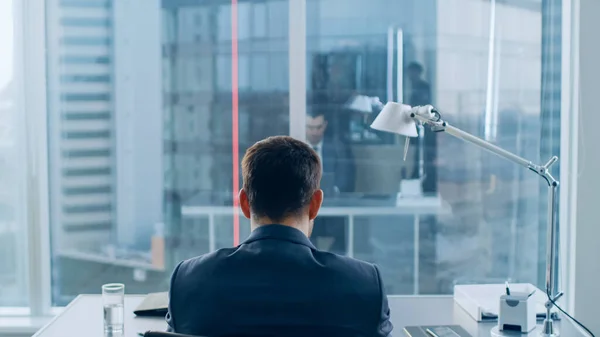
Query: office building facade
point(104, 101)
point(81, 122)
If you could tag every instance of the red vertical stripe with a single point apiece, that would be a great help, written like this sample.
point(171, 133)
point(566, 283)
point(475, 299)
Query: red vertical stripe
point(235, 151)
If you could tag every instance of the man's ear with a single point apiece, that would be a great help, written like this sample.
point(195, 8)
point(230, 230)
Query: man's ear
point(315, 204)
point(244, 204)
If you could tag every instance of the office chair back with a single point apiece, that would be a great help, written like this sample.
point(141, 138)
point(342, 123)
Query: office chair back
point(165, 334)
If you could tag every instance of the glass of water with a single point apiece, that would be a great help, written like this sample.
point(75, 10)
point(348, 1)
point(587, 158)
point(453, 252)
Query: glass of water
point(113, 296)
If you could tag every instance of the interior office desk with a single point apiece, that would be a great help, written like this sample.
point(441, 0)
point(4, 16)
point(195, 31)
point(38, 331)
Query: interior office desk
point(83, 317)
point(415, 207)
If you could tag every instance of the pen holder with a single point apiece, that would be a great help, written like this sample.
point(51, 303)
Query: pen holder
point(517, 313)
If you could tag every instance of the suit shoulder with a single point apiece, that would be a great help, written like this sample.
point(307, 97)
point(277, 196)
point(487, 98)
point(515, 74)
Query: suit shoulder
point(348, 265)
point(358, 263)
point(206, 259)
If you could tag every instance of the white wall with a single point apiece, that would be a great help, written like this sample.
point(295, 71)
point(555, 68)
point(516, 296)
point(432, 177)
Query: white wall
point(585, 290)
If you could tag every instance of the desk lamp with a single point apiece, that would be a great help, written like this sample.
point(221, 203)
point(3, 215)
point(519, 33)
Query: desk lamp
point(402, 119)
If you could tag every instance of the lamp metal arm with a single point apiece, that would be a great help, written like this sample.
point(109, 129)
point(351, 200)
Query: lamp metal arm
point(441, 125)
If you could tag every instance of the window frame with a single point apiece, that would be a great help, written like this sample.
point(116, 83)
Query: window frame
point(30, 61)
point(569, 143)
point(297, 67)
point(30, 47)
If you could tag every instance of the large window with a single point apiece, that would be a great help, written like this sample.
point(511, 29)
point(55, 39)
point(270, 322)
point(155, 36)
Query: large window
point(154, 119)
point(491, 68)
point(13, 233)
point(152, 104)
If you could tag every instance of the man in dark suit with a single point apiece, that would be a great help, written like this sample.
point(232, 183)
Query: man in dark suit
point(277, 283)
point(338, 168)
point(336, 156)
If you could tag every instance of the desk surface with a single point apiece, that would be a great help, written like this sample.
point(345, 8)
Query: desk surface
point(83, 317)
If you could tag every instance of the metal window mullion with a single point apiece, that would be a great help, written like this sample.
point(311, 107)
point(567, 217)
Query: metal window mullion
point(297, 68)
point(30, 64)
point(569, 138)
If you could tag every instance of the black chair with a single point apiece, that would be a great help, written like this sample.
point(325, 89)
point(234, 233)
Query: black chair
point(165, 334)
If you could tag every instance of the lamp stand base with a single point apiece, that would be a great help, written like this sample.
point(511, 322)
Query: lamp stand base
point(549, 330)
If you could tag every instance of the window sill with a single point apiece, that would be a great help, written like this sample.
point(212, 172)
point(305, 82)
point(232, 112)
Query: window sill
point(21, 326)
point(18, 322)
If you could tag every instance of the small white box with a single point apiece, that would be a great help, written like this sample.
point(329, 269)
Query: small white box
point(517, 312)
point(411, 188)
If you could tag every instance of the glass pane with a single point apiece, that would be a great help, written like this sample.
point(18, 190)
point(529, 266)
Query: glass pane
point(143, 107)
point(451, 213)
point(13, 225)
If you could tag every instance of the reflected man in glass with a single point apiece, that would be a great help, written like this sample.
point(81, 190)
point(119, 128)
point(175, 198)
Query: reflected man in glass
point(420, 94)
point(338, 177)
point(420, 91)
point(336, 157)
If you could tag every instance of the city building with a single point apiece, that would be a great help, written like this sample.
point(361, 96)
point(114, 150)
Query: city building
point(81, 113)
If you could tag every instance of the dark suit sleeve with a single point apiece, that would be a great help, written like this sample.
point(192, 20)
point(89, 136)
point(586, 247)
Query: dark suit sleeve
point(384, 326)
point(170, 316)
point(345, 168)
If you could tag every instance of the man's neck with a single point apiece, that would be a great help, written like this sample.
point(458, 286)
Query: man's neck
point(299, 223)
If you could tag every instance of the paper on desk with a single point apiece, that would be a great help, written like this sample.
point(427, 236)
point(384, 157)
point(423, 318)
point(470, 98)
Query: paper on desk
point(482, 301)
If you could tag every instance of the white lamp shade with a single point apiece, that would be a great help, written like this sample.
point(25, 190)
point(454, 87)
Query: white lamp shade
point(395, 118)
point(361, 103)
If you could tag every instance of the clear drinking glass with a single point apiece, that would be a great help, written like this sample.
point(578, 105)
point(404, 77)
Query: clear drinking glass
point(113, 296)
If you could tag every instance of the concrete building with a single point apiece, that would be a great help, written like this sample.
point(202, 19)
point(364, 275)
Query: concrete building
point(81, 122)
point(105, 121)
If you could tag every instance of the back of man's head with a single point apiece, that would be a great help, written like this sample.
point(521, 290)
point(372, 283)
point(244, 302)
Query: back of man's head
point(280, 175)
point(416, 67)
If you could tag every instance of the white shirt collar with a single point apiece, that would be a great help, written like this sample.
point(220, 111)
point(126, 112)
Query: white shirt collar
point(318, 146)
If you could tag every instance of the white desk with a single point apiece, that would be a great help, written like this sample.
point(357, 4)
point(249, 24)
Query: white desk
point(83, 317)
point(408, 206)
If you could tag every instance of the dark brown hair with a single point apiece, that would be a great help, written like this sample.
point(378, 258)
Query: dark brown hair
point(280, 176)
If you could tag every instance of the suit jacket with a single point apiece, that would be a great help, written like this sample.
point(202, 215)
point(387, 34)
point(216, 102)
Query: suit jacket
point(338, 159)
point(277, 283)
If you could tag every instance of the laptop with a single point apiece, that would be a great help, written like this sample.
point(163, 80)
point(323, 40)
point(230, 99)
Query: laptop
point(154, 305)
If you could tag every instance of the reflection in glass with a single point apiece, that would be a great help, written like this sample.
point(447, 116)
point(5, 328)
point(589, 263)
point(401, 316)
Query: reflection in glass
point(470, 217)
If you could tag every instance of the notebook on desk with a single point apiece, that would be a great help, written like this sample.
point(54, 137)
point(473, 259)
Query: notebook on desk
point(154, 305)
point(436, 331)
